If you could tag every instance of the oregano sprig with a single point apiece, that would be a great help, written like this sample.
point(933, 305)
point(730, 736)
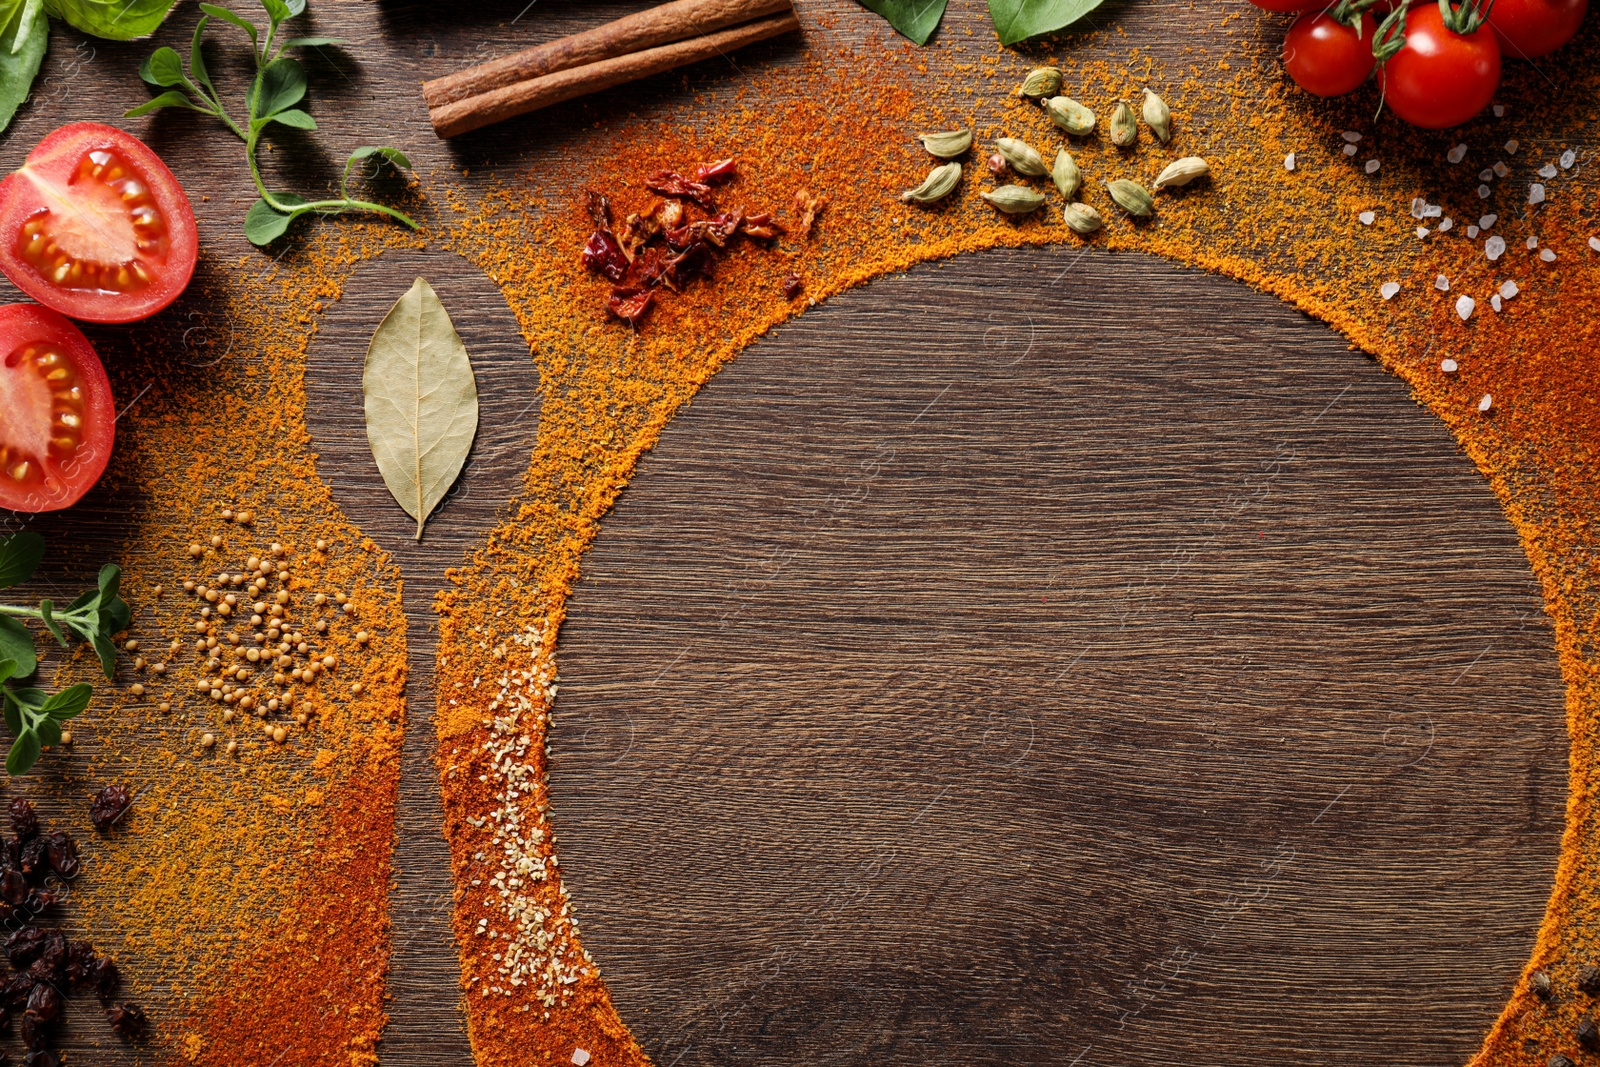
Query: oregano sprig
point(33, 716)
point(278, 87)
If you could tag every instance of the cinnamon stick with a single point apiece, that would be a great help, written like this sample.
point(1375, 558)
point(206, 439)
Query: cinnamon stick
point(460, 116)
point(663, 24)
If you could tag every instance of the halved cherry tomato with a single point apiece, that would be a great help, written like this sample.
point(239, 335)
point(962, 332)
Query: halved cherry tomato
point(1326, 57)
point(1527, 29)
point(96, 227)
point(1440, 78)
point(57, 420)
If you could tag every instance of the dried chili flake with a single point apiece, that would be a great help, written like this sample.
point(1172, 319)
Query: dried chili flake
point(806, 209)
point(723, 170)
point(762, 226)
point(630, 304)
point(604, 255)
point(792, 285)
point(668, 213)
point(637, 231)
point(693, 262)
point(718, 229)
point(599, 208)
point(671, 183)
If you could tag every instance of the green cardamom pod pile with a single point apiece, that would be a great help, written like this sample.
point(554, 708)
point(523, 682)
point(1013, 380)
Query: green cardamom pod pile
point(1015, 199)
point(1182, 171)
point(936, 186)
point(1069, 115)
point(1157, 116)
point(948, 144)
point(1045, 81)
point(1124, 131)
point(1023, 157)
point(1131, 197)
point(1081, 218)
point(1066, 174)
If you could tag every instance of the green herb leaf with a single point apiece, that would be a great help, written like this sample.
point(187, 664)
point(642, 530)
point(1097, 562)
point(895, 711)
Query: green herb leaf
point(296, 118)
point(277, 10)
point(116, 20)
point(16, 647)
point(421, 401)
point(114, 617)
point(13, 711)
point(311, 42)
point(228, 16)
point(109, 580)
point(107, 653)
point(281, 85)
point(49, 731)
point(393, 155)
point(32, 10)
point(916, 19)
point(197, 59)
point(47, 615)
point(19, 558)
point(296, 7)
point(170, 98)
point(162, 67)
point(24, 753)
point(264, 224)
point(69, 702)
point(1018, 20)
point(22, 49)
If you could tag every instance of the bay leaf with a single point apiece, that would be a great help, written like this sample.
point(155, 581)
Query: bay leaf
point(916, 19)
point(1018, 20)
point(421, 400)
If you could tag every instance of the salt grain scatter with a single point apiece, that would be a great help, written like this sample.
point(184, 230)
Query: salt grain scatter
point(1351, 136)
point(1511, 147)
point(580, 1056)
point(1349, 149)
point(1536, 193)
point(1494, 247)
point(1499, 111)
point(1288, 161)
point(1457, 154)
point(1488, 221)
point(1508, 289)
point(1388, 289)
point(1449, 366)
point(1594, 243)
point(1500, 169)
point(1486, 403)
point(1547, 254)
point(1464, 306)
point(1372, 166)
point(1568, 158)
point(1494, 301)
point(1532, 243)
point(1422, 231)
point(1472, 231)
point(1548, 171)
point(1483, 192)
point(1367, 218)
point(1486, 175)
point(1442, 284)
point(1446, 224)
point(1418, 205)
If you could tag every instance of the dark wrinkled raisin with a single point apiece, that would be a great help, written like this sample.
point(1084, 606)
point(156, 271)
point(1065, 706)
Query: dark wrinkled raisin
point(80, 963)
point(32, 1032)
point(38, 901)
point(105, 976)
point(35, 855)
point(63, 854)
point(24, 946)
point(17, 989)
point(44, 1003)
point(52, 959)
point(128, 1020)
point(24, 823)
point(13, 887)
point(109, 806)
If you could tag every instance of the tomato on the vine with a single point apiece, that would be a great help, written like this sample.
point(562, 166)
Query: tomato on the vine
point(1326, 57)
point(1444, 74)
point(1528, 29)
point(95, 226)
point(57, 421)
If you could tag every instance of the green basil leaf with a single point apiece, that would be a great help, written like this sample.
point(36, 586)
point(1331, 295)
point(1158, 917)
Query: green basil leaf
point(13, 713)
point(116, 20)
point(296, 118)
point(277, 10)
point(31, 12)
point(163, 67)
point(296, 7)
point(170, 98)
point(228, 16)
point(19, 558)
point(1018, 20)
point(24, 753)
point(107, 653)
point(109, 580)
point(311, 42)
point(47, 613)
point(264, 224)
point(280, 86)
point(21, 51)
point(49, 731)
point(69, 702)
point(916, 19)
point(16, 647)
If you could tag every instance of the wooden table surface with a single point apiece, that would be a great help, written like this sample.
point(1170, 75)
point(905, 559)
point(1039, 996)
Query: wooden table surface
point(970, 676)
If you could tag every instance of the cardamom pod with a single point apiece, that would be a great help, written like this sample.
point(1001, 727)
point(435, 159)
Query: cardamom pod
point(1069, 115)
point(1124, 131)
point(1023, 157)
point(947, 144)
point(1015, 199)
point(1182, 171)
point(1045, 81)
point(1157, 116)
point(1066, 174)
point(936, 186)
point(1131, 197)
point(1081, 218)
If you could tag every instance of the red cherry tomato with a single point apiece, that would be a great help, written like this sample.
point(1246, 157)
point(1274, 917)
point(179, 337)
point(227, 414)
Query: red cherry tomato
point(1527, 29)
point(1440, 78)
point(96, 227)
point(1287, 6)
point(58, 420)
point(1324, 56)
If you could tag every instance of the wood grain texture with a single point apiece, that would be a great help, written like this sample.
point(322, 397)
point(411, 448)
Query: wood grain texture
point(829, 843)
point(972, 677)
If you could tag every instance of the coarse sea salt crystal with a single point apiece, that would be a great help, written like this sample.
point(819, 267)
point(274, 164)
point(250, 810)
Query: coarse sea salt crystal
point(1499, 111)
point(1446, 224)
point(1457, 154)
point(1464, 306)
point(1349, 149)
point(1472, 231)
point(1568, 158)
point(1508, 289)
point(1367, 217)
point(1594, 243)
point(1486, 175)
point(1432, 211)
point(1512, 146)
point(1487, 222)
point(1442, 284)
point(1372, 166)
point(1494, 247)
point(1548, 171)
point(1500, 169)
point(1531, 243)
point(1422, 231)
point(1288, 161)
point(580, 1056)
point(1417, 206)
point(1351, 136)
point(1388, 289)
point(1486, 403)
point(1536, 193)
point(1483, 192)
point(1494, 302)
point(1547, 254)
point(1449, 366)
